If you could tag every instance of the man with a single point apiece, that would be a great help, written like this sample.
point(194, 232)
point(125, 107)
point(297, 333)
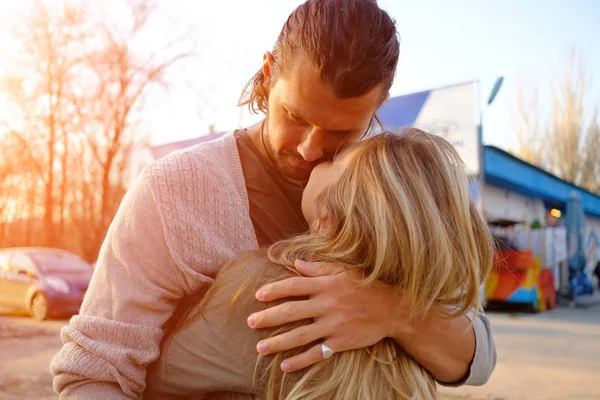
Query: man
point(330, 70)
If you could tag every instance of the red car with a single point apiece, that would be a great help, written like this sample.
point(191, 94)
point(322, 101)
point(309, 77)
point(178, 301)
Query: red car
point(43, 282)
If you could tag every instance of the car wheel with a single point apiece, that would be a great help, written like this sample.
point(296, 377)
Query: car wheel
point(39, 307)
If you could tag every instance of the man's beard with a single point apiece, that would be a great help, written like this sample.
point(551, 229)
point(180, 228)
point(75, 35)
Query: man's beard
point(284, 159)
point(284, 162)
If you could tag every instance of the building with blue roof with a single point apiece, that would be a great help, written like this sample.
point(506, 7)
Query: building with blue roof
point(508, 189)
point(509, 173)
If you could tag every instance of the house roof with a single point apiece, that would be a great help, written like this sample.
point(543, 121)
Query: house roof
point(508, 171)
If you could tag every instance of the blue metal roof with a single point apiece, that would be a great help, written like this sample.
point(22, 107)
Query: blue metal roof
point(505, 170)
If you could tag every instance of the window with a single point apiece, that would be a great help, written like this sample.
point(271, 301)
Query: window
point(4, 264)
point(59, 262)
point(20, 262)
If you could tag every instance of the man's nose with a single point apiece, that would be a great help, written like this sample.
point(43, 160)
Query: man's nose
point(311, 147)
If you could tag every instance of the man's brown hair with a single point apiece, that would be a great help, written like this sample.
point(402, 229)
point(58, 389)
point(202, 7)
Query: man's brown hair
point(352, 44)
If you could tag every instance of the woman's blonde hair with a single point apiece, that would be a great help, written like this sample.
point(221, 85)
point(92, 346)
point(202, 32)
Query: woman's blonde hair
point(400, 215)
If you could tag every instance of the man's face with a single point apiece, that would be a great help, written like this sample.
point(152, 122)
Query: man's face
point(306, 123)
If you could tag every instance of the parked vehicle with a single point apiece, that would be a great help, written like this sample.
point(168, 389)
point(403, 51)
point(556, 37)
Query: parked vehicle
point(42, 281)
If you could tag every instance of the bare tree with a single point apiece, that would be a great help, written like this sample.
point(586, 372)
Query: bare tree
point(39, 84)
point(568, 144)
point(19, 191)
point(123, 76)
point(529, 133)
point(78, 86)
point(590, 171)
point(6, 172)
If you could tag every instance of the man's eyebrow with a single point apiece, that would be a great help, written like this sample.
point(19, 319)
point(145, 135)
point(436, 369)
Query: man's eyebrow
point(337, 132)
point(291, 110)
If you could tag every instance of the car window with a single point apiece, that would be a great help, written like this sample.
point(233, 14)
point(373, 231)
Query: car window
point(20, 262)
point(60, 262)
point(4, 264)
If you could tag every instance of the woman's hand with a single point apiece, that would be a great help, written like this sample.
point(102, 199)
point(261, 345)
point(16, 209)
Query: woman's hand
point(346, 316)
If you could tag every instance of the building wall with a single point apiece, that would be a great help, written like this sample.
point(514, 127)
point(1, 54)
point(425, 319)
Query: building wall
point(592, 224)
point(592, 241)
point(499, 203)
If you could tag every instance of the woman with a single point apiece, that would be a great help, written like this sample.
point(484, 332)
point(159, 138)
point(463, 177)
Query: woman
point(396, 210)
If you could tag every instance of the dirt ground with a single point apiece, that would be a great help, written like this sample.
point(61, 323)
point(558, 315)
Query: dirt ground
point(553, 355)
point(26, 348)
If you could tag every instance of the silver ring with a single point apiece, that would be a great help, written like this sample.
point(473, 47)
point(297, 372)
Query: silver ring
point(326, 351)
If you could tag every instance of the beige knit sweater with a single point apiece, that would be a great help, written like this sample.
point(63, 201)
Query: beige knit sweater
point(184, 217)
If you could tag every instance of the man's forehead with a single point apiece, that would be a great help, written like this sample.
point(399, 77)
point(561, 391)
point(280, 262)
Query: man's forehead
point(327, 115)
point(307, 96)
point(334, 125)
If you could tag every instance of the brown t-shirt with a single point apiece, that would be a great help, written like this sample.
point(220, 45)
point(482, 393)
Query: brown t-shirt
point(275, 204)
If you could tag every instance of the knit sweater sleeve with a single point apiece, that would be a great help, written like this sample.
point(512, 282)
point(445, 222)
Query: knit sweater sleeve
point(164, 243)
point(132, 293)
point(484, 360)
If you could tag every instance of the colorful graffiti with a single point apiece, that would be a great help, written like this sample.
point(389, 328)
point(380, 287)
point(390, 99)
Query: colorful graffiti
point(517, 277)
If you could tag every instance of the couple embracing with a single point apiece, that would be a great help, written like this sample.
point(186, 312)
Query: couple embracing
point(302, 258)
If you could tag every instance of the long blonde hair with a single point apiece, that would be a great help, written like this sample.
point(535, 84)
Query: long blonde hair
point(400, 215)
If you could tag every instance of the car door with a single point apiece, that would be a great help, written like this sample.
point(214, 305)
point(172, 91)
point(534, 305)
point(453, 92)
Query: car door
point(4, 267)
point(19, 279)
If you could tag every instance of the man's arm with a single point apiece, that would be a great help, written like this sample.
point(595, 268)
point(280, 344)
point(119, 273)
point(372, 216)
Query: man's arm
point(133, 292)
point(454, 351)
point(348, 316)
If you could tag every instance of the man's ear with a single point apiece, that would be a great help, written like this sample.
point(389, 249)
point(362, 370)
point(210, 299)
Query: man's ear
point(267, 70)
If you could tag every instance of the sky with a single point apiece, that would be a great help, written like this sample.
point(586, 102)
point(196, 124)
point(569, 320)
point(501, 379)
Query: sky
point(442, 43)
